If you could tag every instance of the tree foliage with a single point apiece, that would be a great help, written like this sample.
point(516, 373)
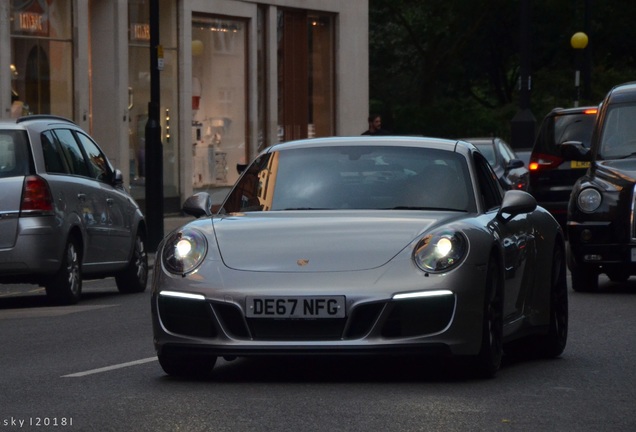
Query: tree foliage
point(451, 68)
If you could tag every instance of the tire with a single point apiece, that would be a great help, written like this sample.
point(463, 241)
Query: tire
point(488, 361)
point(584, 279)
point(618, 276)
point(553, 343)
point(66, 285)
point(135, 277)
point(187, 366)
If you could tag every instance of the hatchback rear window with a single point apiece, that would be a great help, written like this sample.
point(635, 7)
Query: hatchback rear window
point(14, 153)
point(573, 128)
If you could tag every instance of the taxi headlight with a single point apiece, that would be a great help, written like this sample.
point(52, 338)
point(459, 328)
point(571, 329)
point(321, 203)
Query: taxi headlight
point(589, 200)
point(440, 251)
point(183, 251)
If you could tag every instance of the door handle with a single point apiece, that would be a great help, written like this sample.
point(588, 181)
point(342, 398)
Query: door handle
point(110, 202)
point(81, 197)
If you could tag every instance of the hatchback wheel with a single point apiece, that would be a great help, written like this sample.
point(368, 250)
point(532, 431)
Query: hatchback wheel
point(135, 277)
point(66, 285)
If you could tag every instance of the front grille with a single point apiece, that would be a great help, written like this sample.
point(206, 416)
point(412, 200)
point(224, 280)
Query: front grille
point(187, 317)
point(231, 318)
point(419, 317)
point(297, 329)
point(632, 219)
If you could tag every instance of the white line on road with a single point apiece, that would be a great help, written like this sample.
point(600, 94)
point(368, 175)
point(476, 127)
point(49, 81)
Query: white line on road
point(110, 368)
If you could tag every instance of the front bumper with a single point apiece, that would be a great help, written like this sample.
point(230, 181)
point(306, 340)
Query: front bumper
point(375, 322)
point(594, 243)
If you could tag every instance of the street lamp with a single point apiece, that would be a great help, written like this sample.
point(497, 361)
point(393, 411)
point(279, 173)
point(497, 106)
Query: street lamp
point(579, 42)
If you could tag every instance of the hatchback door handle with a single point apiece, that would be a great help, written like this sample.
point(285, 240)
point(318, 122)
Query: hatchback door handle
point(81, 197)
point(110, 202)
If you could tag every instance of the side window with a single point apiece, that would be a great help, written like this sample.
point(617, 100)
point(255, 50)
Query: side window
point(15, 159)
point(72, 153)
point(489, 188)
point(505, 152)
point(98, 163)
point(54, 161)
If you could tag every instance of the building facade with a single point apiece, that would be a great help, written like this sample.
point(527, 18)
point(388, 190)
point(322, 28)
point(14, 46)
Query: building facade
point(236, 76)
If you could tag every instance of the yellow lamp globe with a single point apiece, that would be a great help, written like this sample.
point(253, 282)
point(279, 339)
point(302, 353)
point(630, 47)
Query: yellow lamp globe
point(197, 48)
point(579, 40)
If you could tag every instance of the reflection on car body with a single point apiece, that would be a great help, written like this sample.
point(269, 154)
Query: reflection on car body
point(510, 169)
point(369, 245)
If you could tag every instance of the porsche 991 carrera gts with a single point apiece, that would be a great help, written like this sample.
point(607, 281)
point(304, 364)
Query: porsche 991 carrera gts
point(362, 246)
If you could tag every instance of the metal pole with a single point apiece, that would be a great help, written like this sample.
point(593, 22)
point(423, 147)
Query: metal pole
point(522, 127)
point(154, 150)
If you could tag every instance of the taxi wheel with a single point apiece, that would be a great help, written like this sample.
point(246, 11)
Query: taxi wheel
point(584, 279)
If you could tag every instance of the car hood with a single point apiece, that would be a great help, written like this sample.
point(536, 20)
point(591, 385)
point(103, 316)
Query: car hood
point(623, 168)
point(311, 242)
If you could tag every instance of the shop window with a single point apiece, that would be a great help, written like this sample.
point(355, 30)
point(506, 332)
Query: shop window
point(41, 58)
point(219, 99)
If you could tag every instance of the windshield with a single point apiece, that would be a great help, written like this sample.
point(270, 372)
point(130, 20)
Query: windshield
point(354, 177)
point(618, 139)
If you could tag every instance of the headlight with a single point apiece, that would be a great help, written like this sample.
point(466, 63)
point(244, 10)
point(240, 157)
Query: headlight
point(589, 200)
point(184, 251)
point(440, 251)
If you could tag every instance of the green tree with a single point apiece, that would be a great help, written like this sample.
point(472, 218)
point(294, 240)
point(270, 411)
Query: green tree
point(450, 68)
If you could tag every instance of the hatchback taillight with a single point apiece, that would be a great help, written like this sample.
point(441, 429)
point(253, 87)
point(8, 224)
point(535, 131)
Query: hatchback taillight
point(540, 161)
point(36, 196)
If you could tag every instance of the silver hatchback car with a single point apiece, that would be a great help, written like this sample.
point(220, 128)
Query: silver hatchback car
point(64, 213)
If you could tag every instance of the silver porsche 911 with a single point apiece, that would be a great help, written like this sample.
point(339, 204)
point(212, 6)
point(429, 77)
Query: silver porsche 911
point(362, 246)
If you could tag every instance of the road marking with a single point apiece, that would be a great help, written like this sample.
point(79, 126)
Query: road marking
point(48, 311)
point(110, 368)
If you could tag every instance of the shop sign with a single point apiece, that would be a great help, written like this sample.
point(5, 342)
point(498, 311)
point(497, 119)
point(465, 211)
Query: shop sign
point(140, 32)
point(31, 23)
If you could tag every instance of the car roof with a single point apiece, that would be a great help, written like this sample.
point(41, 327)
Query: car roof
point(439, 143)
point(34, 120)
point(572, 110)
point(623, 93)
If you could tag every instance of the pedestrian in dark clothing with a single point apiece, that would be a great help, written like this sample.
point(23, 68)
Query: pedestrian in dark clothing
point(375, 126)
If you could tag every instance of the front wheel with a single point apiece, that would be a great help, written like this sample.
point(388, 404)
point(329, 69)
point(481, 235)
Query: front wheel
point(488, 361)
point(553, 343)
point(66, 285)
point(135, 277)
point(188, 366)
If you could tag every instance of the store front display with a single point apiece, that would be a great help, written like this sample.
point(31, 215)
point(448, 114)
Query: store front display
point(219, 98)
point(41, 57)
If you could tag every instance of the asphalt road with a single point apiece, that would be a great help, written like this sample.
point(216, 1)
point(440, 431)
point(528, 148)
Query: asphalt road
point(92, 367)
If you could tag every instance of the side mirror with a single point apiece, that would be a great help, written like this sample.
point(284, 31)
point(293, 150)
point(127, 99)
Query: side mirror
point(516, 202)
point(514, 164)
point(118, 179)
point(574, 150)
point(198, 205)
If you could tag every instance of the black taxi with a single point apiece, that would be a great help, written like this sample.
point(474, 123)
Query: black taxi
point(600, 221)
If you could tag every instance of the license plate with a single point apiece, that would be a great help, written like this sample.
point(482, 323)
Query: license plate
point(633, 254)
point(579, 164)
point(296, 307)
